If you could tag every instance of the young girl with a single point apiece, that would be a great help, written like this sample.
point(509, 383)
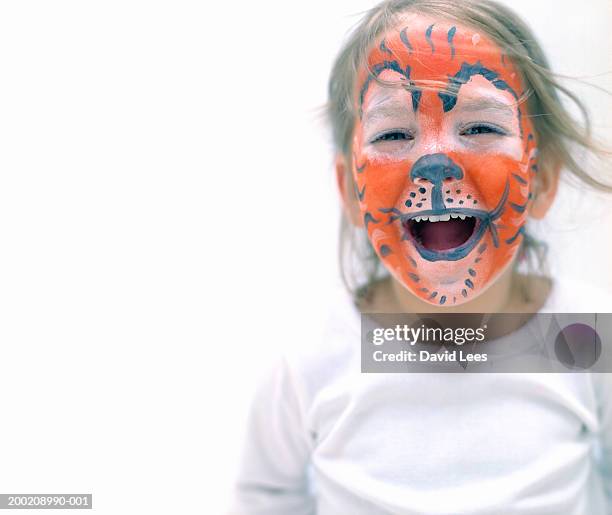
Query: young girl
point(450, 135)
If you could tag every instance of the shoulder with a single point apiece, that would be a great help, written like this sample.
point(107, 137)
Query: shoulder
point(330, 350)
point(571, 295)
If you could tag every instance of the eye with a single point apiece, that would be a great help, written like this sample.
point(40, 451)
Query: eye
point(394, 135)
point(482, 128)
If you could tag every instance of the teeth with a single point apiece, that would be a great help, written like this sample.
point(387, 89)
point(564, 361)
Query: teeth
point(440, 218)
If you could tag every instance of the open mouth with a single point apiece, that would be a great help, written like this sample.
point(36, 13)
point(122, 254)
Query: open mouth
point(449, 235)
point(442, 232)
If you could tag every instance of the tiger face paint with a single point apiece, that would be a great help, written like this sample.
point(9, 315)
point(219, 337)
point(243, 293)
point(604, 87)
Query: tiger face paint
point(443, 164)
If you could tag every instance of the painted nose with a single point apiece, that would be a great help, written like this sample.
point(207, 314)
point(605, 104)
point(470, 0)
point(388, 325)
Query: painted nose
point(435, 168)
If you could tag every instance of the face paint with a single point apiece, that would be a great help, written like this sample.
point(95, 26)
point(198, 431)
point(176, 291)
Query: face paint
point(443, 165)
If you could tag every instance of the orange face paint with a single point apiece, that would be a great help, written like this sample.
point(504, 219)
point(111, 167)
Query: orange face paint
point(444, 159)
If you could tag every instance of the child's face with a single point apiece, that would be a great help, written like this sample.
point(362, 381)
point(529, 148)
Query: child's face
point(443, 176)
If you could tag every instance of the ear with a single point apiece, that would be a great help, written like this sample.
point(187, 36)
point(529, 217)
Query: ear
point(348, 190)
point(544, 190)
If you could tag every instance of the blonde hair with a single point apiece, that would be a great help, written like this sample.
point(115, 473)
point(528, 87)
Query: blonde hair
point(558, 134)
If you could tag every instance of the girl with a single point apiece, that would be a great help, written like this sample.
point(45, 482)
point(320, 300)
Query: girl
point(450, 135)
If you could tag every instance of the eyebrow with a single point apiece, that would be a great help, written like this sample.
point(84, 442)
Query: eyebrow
point(486, 104)
point(386, 110)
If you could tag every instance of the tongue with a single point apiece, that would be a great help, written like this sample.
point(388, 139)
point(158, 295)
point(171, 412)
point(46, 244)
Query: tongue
point(445, 235)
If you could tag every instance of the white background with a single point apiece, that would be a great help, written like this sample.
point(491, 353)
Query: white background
point(168, 220)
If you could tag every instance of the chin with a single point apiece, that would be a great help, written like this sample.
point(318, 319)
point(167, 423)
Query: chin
point(454, 282)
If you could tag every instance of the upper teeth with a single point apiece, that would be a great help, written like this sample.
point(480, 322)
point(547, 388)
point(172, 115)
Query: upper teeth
point(439, 218)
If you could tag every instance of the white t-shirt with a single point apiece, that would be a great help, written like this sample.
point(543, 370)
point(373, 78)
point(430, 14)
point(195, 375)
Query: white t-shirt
point(326, 439)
